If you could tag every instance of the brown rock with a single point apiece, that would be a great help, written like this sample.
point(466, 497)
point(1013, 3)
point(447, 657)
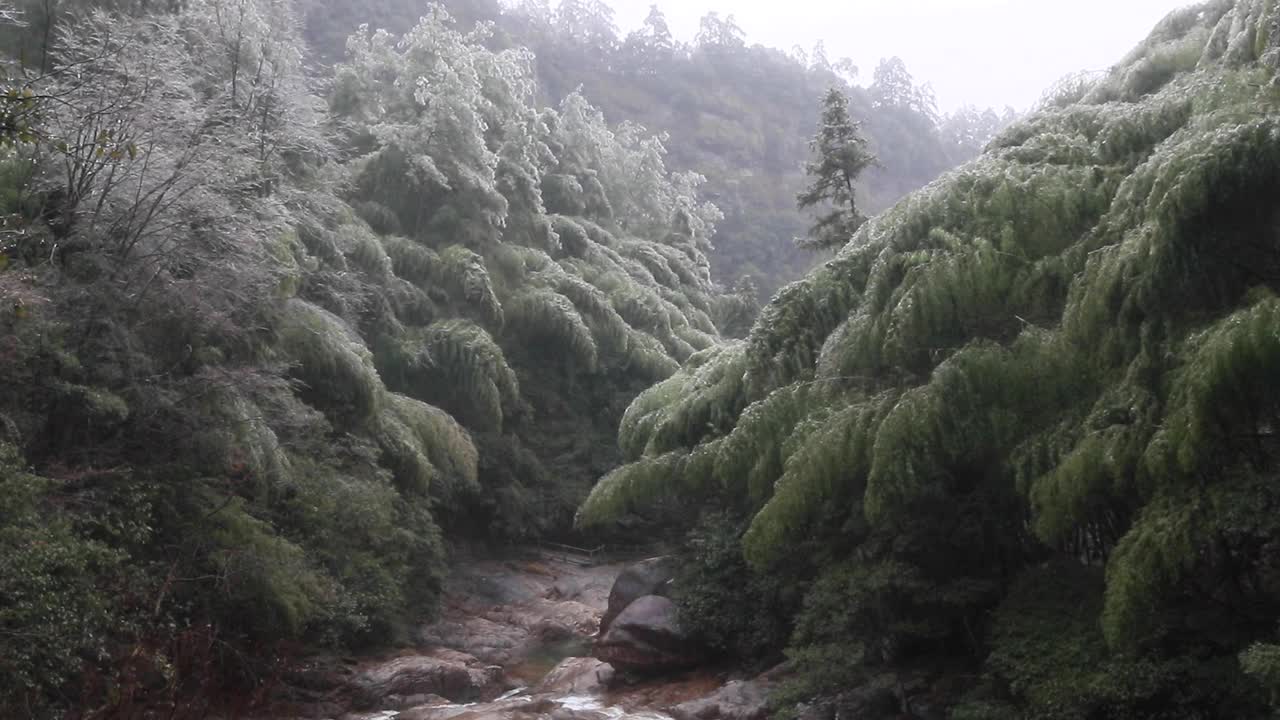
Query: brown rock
point(453, 675)
point(577, 676)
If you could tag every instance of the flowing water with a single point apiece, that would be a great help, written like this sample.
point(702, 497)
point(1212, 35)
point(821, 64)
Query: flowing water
point(495, 596)
point(543, 660)
point(583, 705)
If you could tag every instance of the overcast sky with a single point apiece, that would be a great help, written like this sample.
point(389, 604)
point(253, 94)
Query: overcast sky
point(981, 52)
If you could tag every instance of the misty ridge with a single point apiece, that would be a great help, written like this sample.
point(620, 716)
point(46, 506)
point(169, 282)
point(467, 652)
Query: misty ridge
point(467, 359)
point(739, 114)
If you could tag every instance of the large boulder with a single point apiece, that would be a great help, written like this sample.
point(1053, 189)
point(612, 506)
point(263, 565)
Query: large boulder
point(647, 637)
point(453, 675)
point(647, 577)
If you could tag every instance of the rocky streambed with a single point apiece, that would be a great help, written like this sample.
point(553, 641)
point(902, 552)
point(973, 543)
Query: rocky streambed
point(515, 641)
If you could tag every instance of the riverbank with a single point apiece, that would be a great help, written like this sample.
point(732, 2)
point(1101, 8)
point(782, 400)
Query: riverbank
point(513, 642)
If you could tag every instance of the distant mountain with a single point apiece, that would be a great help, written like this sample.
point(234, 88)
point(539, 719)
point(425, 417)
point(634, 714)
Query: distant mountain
point(741, 115)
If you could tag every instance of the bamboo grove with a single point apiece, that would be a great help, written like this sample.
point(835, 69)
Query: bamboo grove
point(1024, 421)
point(269, 337)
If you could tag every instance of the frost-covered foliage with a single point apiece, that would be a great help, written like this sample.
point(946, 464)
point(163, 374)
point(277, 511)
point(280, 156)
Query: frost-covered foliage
point(518, 263)
point(1064, 348)
point(256, 348)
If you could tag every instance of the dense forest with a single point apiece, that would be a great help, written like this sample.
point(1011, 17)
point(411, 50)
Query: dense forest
point(264, 344)
point(1020, 431)
point(741, 115)
point(296, 299)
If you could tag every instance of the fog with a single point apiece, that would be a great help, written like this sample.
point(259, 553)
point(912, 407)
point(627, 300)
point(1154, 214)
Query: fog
point(980, 52)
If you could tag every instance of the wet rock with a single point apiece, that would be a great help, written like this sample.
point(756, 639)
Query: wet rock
point(405, 702)
point(565, 713)
point(577, 676)
point(647, 637)
point(647, 577)
point(737, 700)
point(453, 675)
point(504, 613)
point(319, 674)
point(519, 708)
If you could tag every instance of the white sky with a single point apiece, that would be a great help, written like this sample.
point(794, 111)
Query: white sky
point(981, 52)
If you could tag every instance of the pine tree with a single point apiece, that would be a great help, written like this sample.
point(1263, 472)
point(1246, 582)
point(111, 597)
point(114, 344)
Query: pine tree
point(839, 156)
point(656, 30)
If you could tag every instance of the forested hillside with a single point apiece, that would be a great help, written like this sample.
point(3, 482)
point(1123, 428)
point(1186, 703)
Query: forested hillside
point(270, 339)
point(1019, 434)
point(739, 114)
point(291, 306)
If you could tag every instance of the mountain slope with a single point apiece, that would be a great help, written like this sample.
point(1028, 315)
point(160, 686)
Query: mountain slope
point(739, 114)
point(1025, 418)
point(269, 353)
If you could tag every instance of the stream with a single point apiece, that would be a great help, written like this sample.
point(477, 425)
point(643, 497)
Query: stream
point(513, 642)
point(568, 707)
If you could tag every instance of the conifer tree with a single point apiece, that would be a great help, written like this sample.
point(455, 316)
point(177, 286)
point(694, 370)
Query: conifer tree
point(839, 156)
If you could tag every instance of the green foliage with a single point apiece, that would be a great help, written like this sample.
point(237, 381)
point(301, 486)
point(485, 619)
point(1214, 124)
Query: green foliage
point(363, 250)
point(735, 609)
point(331, 360)
point(1048, 652)
point(414, 262)
point(623, 489)
point(272, 574)
point(815, 477)
point(466, 271)
point(839, 157)
point(258, 348)
point(1062, 350)
point(58, 603)
point(546, 319)
point(430, 447)
point(474, 369)
point(741, 114)
point(1261, 661)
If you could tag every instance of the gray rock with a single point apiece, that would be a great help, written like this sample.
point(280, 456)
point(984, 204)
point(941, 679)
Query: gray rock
point(521, 708)
point(565, 713)
point(647, 577)
point(577, 676)
point(453, 675)
point(647, 637)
